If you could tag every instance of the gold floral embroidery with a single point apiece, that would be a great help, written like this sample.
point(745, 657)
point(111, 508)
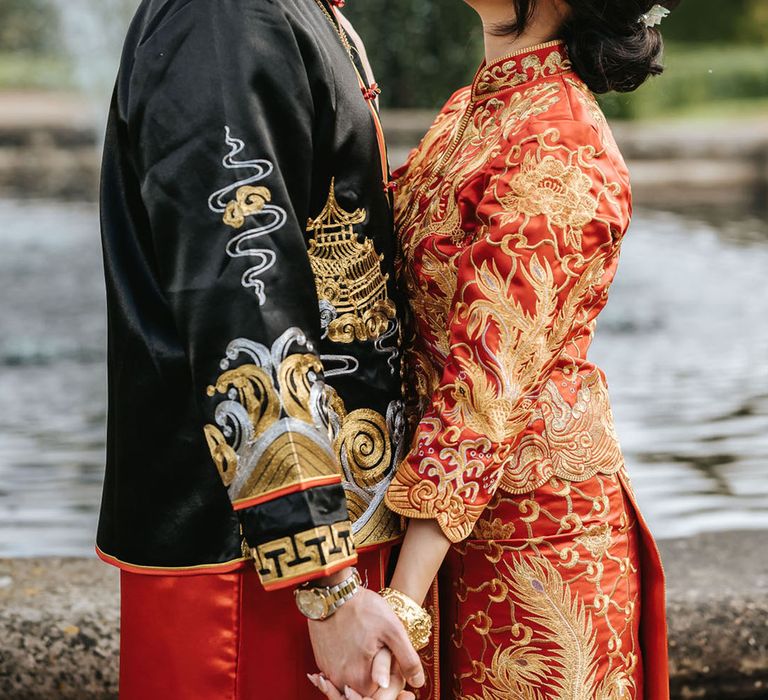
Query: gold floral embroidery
point(561, 192)
point(351, 287)
point(596, 540)
point(488, 127)
point(495, 529)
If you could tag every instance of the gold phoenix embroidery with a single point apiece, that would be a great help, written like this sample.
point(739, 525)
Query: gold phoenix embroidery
point(545, 198)
point(560, 585)
point(350, 284)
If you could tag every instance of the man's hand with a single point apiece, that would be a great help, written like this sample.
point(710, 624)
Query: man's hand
point(346, 644)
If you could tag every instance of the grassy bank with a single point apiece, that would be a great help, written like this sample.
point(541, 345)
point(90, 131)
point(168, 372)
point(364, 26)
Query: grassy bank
point(28, 71)
point(700, 82)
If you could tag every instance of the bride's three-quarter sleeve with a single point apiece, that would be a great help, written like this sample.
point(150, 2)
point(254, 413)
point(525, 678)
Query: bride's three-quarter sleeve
point(549, 223)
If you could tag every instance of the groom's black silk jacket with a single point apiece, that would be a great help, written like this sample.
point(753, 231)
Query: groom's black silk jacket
point(254, 377)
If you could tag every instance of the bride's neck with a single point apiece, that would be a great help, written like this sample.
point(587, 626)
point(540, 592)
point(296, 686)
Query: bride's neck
point(544, 26)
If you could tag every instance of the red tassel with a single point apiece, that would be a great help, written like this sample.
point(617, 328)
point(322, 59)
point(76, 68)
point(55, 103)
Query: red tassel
point(372, 92)
point(390, 186)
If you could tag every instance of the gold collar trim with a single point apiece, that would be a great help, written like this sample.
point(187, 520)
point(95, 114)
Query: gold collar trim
point(523, 66)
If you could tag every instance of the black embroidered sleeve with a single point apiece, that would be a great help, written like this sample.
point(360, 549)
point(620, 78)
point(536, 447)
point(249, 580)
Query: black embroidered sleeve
point(225, 155)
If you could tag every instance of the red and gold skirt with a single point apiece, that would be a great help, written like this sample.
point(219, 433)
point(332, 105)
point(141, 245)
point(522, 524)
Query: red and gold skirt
point(557, 594)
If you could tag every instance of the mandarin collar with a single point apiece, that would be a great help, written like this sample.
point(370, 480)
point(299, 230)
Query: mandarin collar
point(524, 66)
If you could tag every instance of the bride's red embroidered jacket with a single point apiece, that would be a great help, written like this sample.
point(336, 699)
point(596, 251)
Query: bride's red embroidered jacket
point(511, 213)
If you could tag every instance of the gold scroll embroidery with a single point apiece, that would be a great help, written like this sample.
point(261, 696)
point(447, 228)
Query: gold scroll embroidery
point(351, 286)
point(248, 201)
point(512, 72)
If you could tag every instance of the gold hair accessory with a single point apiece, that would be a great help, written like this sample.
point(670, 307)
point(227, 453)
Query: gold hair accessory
point(655, 16)
point(416, 620)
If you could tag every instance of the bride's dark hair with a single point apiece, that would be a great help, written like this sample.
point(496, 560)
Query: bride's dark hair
point(609, 46)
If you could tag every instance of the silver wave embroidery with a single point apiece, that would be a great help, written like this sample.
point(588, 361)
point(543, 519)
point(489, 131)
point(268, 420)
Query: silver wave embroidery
point(250, 202)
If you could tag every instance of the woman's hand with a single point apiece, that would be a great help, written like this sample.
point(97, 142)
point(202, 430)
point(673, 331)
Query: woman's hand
point(382, 666)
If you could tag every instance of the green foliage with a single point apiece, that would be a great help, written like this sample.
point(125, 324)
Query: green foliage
point(422, 50)
point(696, 76)
point(24, 71)
point(718, 21)
point(28, 25)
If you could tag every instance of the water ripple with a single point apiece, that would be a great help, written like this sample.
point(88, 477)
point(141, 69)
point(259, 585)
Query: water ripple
point(683, 343)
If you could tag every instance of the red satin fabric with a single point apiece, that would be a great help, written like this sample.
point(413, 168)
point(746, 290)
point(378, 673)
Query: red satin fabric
point(217, 637)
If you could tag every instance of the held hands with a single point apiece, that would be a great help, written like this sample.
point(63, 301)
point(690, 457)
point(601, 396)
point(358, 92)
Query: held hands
point(382, 665)
point(364, 630)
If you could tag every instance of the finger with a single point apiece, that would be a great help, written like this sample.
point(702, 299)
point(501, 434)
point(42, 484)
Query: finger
point(325, 687)
point(406, 695)
point(393, 692)
point(407, 657)
point(382, 668)
point(351, 694)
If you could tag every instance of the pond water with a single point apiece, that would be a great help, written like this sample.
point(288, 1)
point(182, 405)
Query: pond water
point(684, 342)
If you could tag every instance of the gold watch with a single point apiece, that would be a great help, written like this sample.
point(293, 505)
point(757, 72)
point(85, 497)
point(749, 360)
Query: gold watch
point(416, 620)
point(320, 602)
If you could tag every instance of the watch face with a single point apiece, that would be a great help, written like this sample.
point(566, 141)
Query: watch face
point(310, 604)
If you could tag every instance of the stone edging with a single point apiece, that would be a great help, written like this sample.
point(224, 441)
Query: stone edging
point(59, 621)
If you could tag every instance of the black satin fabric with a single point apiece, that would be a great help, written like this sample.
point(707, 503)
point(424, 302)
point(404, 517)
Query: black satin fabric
point(274, 73)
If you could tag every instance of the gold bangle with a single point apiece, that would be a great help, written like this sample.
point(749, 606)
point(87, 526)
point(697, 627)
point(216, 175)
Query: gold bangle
point(416, 620)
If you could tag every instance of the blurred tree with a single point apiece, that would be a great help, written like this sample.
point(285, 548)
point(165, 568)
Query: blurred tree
point(27, 25)
point(421, 50)
point(718, 21)
point(756, 20)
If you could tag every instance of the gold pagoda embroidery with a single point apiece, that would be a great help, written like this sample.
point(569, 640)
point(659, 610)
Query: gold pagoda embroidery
point(351, 287)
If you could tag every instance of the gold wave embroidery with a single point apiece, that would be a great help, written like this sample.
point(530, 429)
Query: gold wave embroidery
point(351, 286)
point(278, 434)
point(279, 425)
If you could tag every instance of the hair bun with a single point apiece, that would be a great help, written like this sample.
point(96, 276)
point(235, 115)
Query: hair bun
point(610, 47)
